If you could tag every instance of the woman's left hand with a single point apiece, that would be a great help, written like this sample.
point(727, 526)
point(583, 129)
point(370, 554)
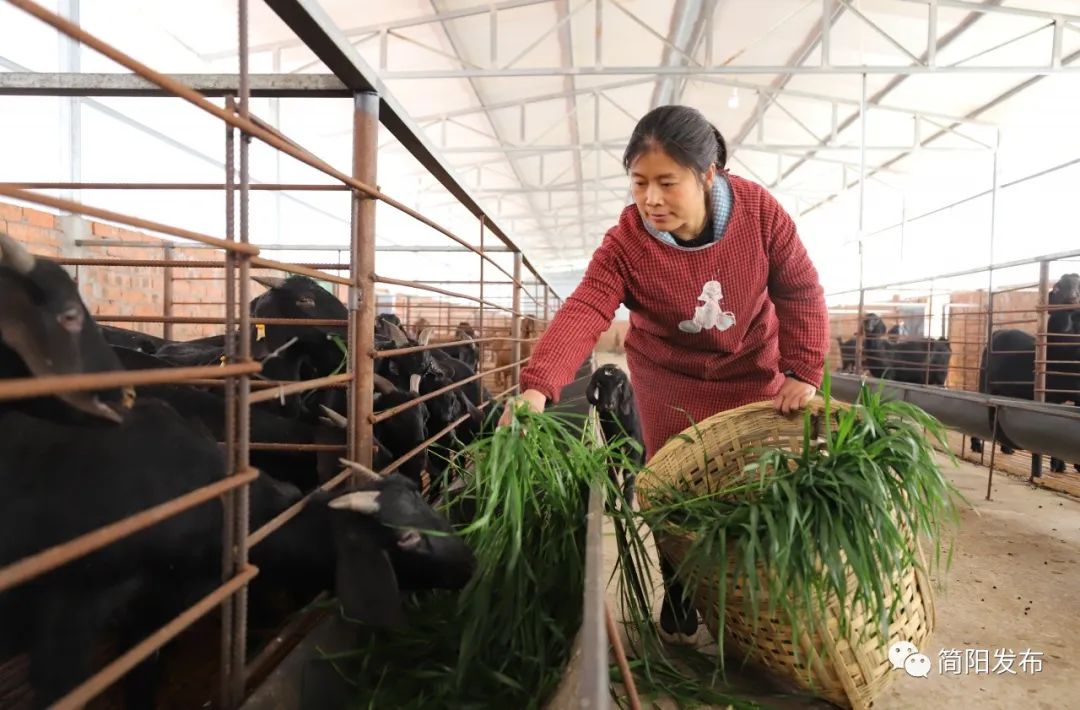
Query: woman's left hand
point(793, 396)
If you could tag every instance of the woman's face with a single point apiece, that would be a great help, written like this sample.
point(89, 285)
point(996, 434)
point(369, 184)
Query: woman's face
point(669, 195)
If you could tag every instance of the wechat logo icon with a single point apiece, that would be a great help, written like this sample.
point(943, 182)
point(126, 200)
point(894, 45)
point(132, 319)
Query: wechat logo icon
point(903, 654)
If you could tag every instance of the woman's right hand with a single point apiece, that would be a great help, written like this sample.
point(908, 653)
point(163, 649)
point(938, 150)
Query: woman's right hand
point(535, 399)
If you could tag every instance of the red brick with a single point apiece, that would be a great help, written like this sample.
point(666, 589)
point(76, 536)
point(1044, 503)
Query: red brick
point(43, 236)
point(11, 212)
point(20, 232)
point(105, 231)
point(40, 219)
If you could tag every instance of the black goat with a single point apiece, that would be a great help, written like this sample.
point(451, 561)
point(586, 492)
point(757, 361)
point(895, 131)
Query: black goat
point(303, 469)
point(85, 478)
point(612, 394)
point(847, 355)
point(132, 339)
point(468, 353)
point(405, 371)
point(923, 361)
point(369, 544)
point(1007, 368)
point(45, 330)
point(404, 431)
point(475, 398)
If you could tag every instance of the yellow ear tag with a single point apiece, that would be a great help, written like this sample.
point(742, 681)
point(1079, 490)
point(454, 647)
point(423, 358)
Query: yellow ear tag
point(260, 331)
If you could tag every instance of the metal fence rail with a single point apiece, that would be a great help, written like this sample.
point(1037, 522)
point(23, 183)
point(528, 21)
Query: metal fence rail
point(1037, 362)
point(239, 258)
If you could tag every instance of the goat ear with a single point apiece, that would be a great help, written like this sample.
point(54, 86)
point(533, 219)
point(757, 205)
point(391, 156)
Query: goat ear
point(365, 582)
point(626, 398)
point(1055, 294)
point(425, 336)
point(593, 394)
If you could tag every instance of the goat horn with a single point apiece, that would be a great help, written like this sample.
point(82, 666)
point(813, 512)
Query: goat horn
point(363, 470)
point(269, 281)
point(14, 256)
point(335, 417)
point(383, 385)
point(360, 502)
point(401, 340)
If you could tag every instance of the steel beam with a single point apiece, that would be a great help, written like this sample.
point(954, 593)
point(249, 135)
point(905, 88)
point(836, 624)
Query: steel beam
point(70, 53)
point(961, 27)
point(18, 83)
point(329, 86)
point(479, 92)
point(416, 21)
point(566, 51)
point(774, 92)
point(996, 9)
point(643, 70)
point(315, 28)
point(687, 24)
point(534, 150)
point(17, 70)
point(518, 103)
point(877, 28)
point(1073, 57)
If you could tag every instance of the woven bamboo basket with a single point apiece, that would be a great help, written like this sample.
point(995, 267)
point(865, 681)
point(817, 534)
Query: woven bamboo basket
point(840, 668)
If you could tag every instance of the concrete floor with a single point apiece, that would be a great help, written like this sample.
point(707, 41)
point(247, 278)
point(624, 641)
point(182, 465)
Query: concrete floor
point(1014, 585)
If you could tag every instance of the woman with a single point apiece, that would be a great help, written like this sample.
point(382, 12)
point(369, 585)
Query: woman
point(725, 305)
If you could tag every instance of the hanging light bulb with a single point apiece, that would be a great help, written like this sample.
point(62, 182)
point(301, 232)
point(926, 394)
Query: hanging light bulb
point(733, 101)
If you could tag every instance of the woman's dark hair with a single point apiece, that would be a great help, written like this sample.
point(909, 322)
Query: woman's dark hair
point(683, 133)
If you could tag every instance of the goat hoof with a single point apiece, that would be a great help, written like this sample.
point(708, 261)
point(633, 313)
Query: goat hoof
point(1006, 450)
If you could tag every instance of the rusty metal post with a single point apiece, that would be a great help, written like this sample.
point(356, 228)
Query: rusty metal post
point(861, 337)
point(930, 336)
point(243, 418)
point(167, 294)
point(229, 505)
point(241, 498)
point(516, 322)
point(362, 291)
point(993, 449)
point(547, 304)
point(480, 316)
point(984, 377)
point(1042, 322)
point(1043, 318)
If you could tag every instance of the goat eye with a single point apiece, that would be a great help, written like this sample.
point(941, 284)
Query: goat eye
point(306, 302)
point(71, 319)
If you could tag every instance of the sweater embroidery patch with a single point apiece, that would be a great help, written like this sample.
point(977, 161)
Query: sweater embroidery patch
point(711, 313)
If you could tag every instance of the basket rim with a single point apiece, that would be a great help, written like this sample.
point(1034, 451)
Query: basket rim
point(762, 409)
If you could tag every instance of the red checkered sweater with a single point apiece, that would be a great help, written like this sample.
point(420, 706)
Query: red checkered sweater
point(711, 328)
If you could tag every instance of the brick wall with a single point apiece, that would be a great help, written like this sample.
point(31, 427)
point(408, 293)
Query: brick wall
point(123, 290)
